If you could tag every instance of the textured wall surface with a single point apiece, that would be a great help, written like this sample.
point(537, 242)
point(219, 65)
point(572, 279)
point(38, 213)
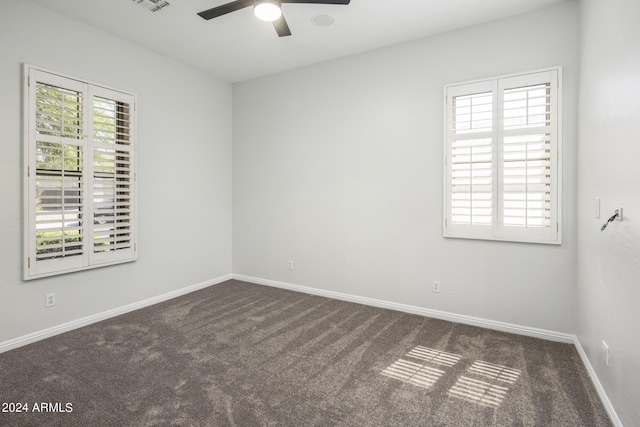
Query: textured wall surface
point(184, 169)
point(609, 148)
point(339, 168)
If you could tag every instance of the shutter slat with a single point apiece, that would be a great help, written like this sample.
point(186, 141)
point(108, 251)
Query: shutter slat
point(59, 201)
point(527, 177)
point(526, 107)
point(472, 113)
point(58, 111)
point(472, 159)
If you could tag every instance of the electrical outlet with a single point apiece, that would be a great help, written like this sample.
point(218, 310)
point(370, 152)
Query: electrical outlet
point(605, 353)
point(436, 286)
point(50, 300)
point(290, 265)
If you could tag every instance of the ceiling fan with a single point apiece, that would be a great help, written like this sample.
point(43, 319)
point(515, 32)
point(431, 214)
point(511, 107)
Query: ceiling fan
point(266, 10)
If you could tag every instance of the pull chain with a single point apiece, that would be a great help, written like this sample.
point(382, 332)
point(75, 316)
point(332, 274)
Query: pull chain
point(614, 216)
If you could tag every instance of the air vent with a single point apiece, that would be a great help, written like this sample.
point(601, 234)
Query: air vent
point(152, 5)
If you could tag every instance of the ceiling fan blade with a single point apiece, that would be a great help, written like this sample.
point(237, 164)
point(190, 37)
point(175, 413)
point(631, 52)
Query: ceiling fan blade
point(345, 2)
point(281, 26)
point(225, 8)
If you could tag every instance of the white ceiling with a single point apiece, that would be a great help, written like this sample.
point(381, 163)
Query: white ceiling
point(238, 46)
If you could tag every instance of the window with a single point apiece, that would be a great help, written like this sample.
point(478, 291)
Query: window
point(79, 168)
point(502, 148)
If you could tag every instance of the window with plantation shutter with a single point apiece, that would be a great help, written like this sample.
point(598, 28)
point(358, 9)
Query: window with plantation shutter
point(112, 178)
point(502, 147)
point(79, 175)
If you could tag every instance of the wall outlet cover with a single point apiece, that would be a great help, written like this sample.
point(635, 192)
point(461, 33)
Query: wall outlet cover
point(50, 300)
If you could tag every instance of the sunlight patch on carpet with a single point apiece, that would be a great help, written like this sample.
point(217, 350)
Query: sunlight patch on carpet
point(484, 383)
point(493, 371)
point(413, 373)
point(478, 391)
point(434, 356)
point(419, 373)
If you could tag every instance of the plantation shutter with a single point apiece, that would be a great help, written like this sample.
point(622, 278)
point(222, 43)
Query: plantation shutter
point(529, 172)
point(471, 167)
point(471, 159)
point(501, 152)
point(56, 174)
point(79, 175)
point(112, 188)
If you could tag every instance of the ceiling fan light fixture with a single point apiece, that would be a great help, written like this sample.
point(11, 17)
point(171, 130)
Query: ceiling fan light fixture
point(267, 10)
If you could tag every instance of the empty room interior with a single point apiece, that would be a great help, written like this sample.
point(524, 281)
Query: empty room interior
point(320, 221)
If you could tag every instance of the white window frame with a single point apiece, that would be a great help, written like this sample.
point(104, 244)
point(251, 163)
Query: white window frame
point(118, 220)
point(496, 229)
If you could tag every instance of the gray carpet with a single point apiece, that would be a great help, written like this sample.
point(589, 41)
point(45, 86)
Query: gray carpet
point(238, 354)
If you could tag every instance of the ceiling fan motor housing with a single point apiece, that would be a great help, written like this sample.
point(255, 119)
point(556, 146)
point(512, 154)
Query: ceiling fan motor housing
point(271, 6)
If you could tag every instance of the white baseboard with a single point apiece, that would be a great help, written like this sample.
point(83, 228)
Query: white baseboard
point(443, 315)
point(613, 416)
point(457, 318)
point(85, 321)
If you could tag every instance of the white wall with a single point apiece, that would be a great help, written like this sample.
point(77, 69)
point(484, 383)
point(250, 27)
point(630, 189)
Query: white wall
point(184, 170)
point(338, 167)
point(609, 154)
